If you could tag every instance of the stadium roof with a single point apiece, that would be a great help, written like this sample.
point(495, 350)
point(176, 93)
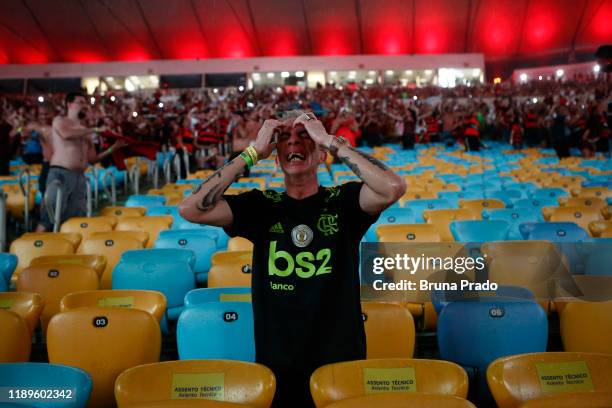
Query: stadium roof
point(43, 31)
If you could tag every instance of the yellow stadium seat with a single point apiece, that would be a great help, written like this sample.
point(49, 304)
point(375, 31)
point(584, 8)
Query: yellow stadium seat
point(140, 236)
point(389, 330)
point(173, 189)
point(104, 342)
point(594, 202)
point(112, 245)
point(416, 195)
point(606, 212)
point(174, 199)
point(53, 282)
point(597, 228)
point(579, 215)
point(152, 225)
point(15, 338)
point(601, 192)
point(227, 274)
point(150, 301)
point(436, 188)
point(224, 257)
point(187, 403)
point(478, 205)
point(587, 326)
point(239, 244)
point(441, 220)
point(73, 237)
point(516, 379)
point(15, 200)
point(88, 225)
point(572, 400)
point(340, 381)
point(121, 212)
point(260, 180)
point(26, 305)
point(240, 382)
point(403, 400)
point(407, 233)
point(95, 262)
point(29, 247)
point(529, 264)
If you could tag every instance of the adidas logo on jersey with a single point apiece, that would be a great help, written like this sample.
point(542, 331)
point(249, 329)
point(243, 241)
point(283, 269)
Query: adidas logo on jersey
point(278, 228)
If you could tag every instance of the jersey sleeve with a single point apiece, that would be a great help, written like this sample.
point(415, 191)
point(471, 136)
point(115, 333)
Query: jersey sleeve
point(358, 220)
point(246, 208)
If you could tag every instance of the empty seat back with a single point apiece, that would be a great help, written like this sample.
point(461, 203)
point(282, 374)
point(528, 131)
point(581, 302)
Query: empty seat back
point(401, 400)
point(27, 248)
point(95, 262)
point(587, 326)
point(104, 342)
point(199, 241)
point(480, 230)
point(216, 330)
point(519, 378)
point(16, 338)
point(205, 295)
point(389, 329)
point(340, 381)
point(230, 381)
point(27, 305)
point(407, 233)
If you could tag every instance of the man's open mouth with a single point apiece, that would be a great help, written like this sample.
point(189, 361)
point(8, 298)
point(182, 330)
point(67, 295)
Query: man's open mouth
point(295, 157)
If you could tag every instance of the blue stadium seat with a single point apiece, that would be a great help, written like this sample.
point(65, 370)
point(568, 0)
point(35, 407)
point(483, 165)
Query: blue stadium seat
point(8, 263)
point(145, 201)
point(206, 295)
point(554, 193)
point(596, 254)
point(173, 279)
point(200, 241)
point(441, 298)
point(163, 210)
point(526, 187)
point(222, 238)
point(515, 217)
point(44, 376)
point(479, 230)
point(453, 197)
point(537, 203)
point(418, 206)
point(553, 231)
point(392, 215)
point(216, 330)
point(159, 254)
point(507, 196)
point(475, 333)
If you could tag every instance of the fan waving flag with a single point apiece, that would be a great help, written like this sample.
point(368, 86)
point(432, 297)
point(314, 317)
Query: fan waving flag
point(134, 148)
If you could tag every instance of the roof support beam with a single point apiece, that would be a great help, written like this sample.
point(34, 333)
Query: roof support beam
point(307, 27)
point(199, 22)
point(149, 30)
point(54, 49)
point(359, 24)
point(255, 31)
point(519, 44)
point(95, 29)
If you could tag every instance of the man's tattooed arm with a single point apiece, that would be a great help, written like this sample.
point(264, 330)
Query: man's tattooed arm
point(384, 187)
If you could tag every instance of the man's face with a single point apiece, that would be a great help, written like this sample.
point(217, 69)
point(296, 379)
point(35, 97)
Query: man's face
point(78, 104)
point(297, 152)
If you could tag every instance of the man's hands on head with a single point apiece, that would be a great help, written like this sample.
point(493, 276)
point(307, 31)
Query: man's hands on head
point(315, 129)
point(263, 143)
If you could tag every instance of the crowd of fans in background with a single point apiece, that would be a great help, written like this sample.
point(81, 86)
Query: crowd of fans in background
point(561, 115)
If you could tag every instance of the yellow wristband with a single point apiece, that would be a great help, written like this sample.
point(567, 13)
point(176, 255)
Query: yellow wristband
point(252, 154)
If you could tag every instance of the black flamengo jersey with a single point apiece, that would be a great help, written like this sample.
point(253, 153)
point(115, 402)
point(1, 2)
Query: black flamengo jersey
point(305, 283)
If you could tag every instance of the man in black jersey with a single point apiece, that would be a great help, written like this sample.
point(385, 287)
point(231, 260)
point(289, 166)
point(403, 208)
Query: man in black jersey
point(305, 283)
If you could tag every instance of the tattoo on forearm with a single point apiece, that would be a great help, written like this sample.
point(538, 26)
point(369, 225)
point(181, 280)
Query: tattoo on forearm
point(353, 166)
point(371, 159)
point(214, 194)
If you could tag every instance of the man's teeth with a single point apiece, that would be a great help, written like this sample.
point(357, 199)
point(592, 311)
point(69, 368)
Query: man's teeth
point(295, 156)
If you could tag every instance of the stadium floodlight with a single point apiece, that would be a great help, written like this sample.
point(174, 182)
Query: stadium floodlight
point(540, 78)
point(369, 81)
point(257, 76)
point(523, 77)
point(352, 74)
point(497, 80)
point(270, 75)
point(134, 114)
point(241, 88)
point(408, 72)
point(476, 72)
point(299, 74)
point(332, 73)
point(389, 72)
point(428, 72)
point(559, 73)
point(41, 99)
point(284, 74)
point(371, 72)
point(535, 100)
point(215, 90)
point(596, 68)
